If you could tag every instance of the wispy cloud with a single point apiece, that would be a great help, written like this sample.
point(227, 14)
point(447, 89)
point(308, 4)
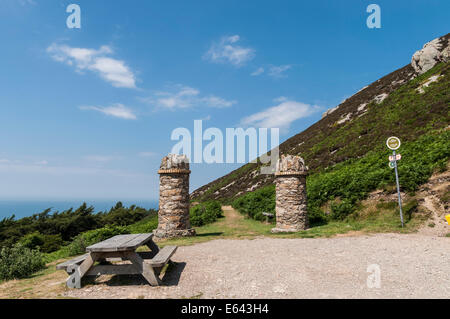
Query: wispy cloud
point(277, 71)
point(183, 97)
point(228, 51)
point(111, 70)
point(116, 110)
point(257, 72)
point(280, 116)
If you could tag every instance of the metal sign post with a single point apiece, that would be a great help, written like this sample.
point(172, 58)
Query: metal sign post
point(398, 190)
point(394, 143)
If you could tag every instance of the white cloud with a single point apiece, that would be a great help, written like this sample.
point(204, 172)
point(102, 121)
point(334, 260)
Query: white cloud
point(258, 71)
point(183, 97)
point(44, 162)
point(280, 116)
point(116, 110)
point(111, 70)
point(278, 71)
point(214, 101)
point(228, 51)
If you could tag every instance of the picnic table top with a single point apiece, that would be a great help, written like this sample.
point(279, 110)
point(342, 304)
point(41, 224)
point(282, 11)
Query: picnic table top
point(120, 243)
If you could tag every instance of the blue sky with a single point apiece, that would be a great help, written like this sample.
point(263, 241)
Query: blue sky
point(88, 113)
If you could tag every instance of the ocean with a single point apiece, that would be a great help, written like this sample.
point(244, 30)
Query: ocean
point(24, 208)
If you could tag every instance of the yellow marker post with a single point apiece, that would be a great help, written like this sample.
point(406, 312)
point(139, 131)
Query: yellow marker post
point(448, 219)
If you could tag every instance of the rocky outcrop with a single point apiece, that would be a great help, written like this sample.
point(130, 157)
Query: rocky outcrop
point(328, 112)
point(431, 79)
point(433, 52)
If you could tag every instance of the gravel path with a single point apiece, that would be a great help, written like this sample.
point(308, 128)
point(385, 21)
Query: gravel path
point(411, 266)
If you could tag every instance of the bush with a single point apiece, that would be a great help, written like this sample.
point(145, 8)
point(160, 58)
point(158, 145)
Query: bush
point(341, 210)
point(205, 213)
point(19, 262)
point(79, 244)
point(45, 243)
point(255, 203)
point(147, 225)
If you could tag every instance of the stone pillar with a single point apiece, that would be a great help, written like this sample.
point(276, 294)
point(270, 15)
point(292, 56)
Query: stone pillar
point(290, 180)
point(173, 214)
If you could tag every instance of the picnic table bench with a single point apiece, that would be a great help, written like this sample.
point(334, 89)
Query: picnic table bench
point(122, 247)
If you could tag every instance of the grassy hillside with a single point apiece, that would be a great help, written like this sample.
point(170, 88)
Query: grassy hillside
point(405, 113)
point(340, 188)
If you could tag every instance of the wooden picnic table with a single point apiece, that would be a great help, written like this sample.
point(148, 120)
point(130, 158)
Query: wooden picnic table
point(121, 247)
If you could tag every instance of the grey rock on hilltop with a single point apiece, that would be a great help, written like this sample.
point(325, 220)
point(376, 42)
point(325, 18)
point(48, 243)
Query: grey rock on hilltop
point(433, 52)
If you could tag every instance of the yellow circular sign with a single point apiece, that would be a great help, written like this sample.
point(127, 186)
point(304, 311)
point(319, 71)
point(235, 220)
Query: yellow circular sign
point(393, 143)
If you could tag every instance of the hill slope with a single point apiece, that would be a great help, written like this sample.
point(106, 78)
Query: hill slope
point(409, 103)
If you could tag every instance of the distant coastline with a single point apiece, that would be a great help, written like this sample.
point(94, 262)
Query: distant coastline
point(25, 208)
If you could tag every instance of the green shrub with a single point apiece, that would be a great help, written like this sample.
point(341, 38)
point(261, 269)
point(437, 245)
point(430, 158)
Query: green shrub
point(32, 241)
point(45, 243)
point(341, 210)
point(253, 204)
point(79, 244)
point(147, 225)
point(19, 262)
point(316, 216)
point(205, 213)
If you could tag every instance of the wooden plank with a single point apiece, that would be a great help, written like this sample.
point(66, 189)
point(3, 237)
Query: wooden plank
point(76, 260)
point(137, 241)
point(126, 269)
point(120, 243)
point(145, 270)
point(77, 272)
point(112, 255)
point(153, 247)
point(110, 244)
point(162, 257)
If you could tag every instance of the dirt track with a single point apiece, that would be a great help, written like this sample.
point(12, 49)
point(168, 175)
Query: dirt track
point(412, 266)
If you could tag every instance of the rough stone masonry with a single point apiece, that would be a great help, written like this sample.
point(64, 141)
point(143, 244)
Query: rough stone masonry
point(173, 215)
point(290, 180)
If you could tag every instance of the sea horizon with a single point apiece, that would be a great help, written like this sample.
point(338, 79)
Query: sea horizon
point(27, 207)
